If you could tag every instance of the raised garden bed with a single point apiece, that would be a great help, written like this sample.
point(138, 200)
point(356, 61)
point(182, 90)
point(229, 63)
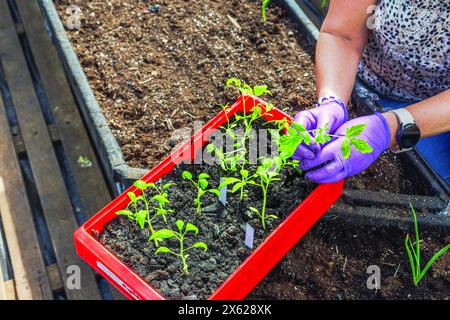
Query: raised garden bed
point(132, 68)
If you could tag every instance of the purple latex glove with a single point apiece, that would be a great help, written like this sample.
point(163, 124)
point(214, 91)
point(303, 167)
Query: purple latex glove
point(376, 134)
point(332, 112)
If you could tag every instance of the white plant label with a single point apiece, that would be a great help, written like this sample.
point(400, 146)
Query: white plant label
point(117, 280)
point(249, 236)
point(223, 194)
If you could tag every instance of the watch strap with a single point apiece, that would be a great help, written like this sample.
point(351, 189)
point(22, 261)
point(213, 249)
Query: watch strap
point(404, 117)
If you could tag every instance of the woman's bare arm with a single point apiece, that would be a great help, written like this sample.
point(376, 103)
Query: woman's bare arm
point(432, 116)
point(342, 39)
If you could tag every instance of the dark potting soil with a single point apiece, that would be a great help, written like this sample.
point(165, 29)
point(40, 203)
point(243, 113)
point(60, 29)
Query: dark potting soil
point(331, 262)
point(221, 228)
point(156, 72)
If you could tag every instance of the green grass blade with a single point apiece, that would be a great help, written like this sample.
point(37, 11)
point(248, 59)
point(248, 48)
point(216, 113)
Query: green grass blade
point(432, 260)
point(411, 260)
point(265, 3)
point(416, 231)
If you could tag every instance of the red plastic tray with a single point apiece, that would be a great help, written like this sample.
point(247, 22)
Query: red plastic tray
point(251, 271)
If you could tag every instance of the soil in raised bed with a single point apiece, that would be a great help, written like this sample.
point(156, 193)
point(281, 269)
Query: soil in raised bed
point(158, 66)
point(331, 262)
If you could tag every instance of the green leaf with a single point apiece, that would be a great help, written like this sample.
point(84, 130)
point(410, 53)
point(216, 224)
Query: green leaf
point(127, 213)
point(266, 163)
point(246, 89)
point(233, 81)
point(433, 259)
point(180, 225)
point(203, 176)
point(254, 210)
point(151, 185)
point(237, 186)
point(162, 234)
point(297, 126)
point(191, 227)
point(320, 139)
point(141, 185)
point(355, 130)
point(186, 175)
point(272, 216)
point(263, 10)
point(203, 183)
point(141, 216)
point(168, 185)
point(244, 173)
point(411, 260)
point(160, 199)
point(228, 180)
point(200, 245)
point(345, 149)
point(215, 191)
point(163, 250)
point(132, 196)
point(259, 90)
point(361, 145)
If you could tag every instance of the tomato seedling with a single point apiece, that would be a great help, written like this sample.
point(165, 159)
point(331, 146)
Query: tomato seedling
point(161, 199)
point(149, 214)
point(202, 187)
point(180, 236)
point(296, 134)
point(237, 158)
point(238, 184)
point(267, 172)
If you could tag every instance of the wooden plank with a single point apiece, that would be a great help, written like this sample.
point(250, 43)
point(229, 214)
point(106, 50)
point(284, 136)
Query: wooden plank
point(20, 145)
point(7, 288)
point(91, 184)
point(21, 236)
point(55, 277)
point(92, 188)
point(55, 202)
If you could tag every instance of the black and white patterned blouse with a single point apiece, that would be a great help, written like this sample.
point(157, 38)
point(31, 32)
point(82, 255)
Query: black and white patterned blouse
point(407, 57)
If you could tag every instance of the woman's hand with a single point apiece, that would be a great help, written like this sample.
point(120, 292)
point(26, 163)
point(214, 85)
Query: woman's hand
point(330, 114)
point(376, 134)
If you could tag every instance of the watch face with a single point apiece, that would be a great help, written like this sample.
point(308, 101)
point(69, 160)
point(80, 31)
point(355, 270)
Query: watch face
point(409, 136)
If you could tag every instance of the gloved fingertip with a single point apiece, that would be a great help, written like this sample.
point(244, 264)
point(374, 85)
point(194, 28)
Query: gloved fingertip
point(304, 165)
point(309, 155)
point(310, 177)
point(314, 147)
point(304, 152)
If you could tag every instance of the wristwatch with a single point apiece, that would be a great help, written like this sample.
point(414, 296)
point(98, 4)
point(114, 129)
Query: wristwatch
point(409, 133)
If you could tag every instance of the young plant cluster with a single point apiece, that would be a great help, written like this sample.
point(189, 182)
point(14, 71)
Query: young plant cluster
point(269, 168)
point(145, 211)
point(413, 252)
